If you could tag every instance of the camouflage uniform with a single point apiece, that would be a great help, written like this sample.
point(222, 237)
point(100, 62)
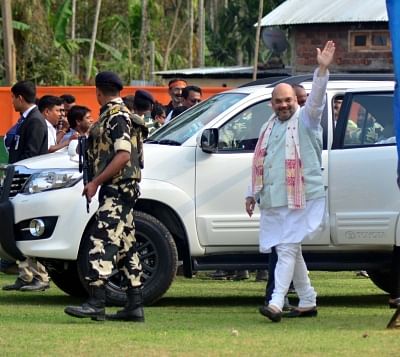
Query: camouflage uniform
point(113, 239)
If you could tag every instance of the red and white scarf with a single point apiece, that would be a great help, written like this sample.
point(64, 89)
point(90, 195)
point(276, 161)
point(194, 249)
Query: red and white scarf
point(293, 165)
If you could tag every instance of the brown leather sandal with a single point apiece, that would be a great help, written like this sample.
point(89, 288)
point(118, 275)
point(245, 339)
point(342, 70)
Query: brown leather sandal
point(272, 314)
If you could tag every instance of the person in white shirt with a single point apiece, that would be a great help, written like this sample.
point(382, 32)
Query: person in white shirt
point(50, 106)
point(287, 183)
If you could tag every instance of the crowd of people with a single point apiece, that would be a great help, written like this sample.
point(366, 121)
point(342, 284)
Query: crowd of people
point(122, 126)
point(290, 210)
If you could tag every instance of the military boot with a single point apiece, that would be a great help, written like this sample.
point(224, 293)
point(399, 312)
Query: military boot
point(94, 307)
point(133, 310)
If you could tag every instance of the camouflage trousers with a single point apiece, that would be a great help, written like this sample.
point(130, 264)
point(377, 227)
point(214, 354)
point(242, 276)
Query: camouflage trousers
point(113, 243)
point(30, 268)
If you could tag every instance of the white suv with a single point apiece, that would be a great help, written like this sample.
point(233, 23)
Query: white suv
point(191, 208)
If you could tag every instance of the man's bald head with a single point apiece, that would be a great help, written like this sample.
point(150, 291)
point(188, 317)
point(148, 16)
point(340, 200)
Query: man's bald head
point(284, 101)
point(301, 94)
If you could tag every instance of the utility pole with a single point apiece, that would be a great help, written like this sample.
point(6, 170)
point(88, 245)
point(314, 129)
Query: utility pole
point(257, 46)
point(191, 31)
point(93, 40)
point(9, 46)
point(152, 61)
point(73, 36)
point(201, 33)
point(143, 48)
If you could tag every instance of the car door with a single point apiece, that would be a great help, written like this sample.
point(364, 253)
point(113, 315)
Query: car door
point(222, 179)
point(364, 200)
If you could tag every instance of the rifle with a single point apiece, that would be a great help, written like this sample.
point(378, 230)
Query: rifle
point(83, 163)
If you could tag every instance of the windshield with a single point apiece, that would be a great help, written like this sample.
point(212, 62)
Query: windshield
point(192, 120)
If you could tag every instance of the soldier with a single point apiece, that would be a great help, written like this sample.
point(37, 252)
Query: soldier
point(141, 104)
point(115, 159)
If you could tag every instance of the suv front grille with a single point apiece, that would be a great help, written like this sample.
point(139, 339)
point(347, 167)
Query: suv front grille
point(18, 183)
point(12, 180)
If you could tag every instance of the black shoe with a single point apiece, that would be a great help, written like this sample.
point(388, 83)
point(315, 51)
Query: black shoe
point(287, 306)
point(262, 275)
point(266, 311)
point(221, 275)
point(35, 285)
point(394, 303)
point(305, 313)
point(133, 311)
point(395, 320)
point(86, 310)
point(362, 273)
point(241, 275)
point(136, 315)
point(19, 283)
point(94, 307)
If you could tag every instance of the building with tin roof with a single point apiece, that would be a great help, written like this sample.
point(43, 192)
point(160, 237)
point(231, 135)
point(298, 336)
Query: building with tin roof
point(358, 27)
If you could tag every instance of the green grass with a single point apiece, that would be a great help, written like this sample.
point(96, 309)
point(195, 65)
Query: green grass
point(197, 317)
point(3, 153)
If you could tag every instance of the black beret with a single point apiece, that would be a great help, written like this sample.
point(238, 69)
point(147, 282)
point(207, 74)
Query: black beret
point(109, 79)
point(142, 94)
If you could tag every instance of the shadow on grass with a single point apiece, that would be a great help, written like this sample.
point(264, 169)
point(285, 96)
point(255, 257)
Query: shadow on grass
point(46, 298)
point(348, 301)
point(353, 300)
point(38, 299)
point(209, 301)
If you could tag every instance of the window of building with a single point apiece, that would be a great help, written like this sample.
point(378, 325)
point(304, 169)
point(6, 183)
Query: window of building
point(360, 40)
point(369, 40)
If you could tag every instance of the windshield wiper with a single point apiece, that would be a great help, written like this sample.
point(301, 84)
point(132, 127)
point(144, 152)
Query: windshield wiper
point(150, 141)
point(169, 142)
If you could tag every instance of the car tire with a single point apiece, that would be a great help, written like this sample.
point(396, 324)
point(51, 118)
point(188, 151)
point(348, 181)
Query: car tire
point(159, 258)
point(65, 276)
point(382, 279)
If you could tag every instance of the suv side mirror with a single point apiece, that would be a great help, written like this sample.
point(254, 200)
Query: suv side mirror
point(209, 140)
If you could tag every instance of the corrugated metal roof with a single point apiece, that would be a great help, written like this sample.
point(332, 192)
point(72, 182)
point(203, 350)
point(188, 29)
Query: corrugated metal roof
point(222, 72)
point(206, 70)
point(293, 12)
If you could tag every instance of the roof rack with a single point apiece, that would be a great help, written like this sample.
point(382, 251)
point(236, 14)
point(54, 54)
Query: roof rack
point(332, 77)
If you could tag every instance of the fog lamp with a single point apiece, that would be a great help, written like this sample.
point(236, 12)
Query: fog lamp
point(36, 227)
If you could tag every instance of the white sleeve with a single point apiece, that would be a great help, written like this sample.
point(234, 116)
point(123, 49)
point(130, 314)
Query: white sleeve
point(314, 107)
point(168, 118)
point(249, 192)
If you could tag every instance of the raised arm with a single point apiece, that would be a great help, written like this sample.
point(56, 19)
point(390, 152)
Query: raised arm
point(325, 57)
point(316, 100)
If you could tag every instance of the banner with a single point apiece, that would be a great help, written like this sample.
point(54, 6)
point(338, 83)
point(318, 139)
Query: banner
point(393, 9)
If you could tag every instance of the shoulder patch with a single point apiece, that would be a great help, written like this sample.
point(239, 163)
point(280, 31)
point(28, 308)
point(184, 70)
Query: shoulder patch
point(114, 111)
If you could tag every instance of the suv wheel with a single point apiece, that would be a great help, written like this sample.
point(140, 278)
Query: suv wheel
point(65, 276)
point(382, 279)
point(158, 255)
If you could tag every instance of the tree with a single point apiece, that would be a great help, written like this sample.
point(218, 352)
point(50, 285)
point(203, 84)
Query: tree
point(93, 40)
point(57, 42)
point(232, 42)
point(9, 47)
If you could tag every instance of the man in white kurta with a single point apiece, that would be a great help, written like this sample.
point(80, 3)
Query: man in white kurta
point(291, 196)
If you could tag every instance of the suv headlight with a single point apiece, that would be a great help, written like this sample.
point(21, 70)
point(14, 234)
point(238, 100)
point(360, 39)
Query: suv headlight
point(51, 180)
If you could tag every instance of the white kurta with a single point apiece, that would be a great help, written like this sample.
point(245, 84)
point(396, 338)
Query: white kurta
point(278, 223)
point(51, 134)
point(283, 225)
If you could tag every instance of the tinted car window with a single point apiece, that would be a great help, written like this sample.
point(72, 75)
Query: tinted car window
point(370, 120)
point(242, 131)
point(192, 120)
